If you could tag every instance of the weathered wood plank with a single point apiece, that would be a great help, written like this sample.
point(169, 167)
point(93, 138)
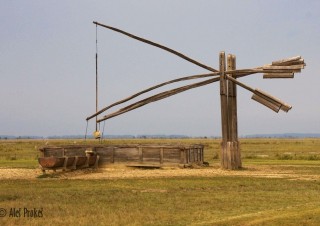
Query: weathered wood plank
point(273, 100)
point(232, 102)
point(75, 151)
point(278, 75)
point(286, 60)
point(291, 67)
point(273, 106)
point(300, 61)
point(151, 155)
point(126, 155)
point(55, 152)
point(224, 106)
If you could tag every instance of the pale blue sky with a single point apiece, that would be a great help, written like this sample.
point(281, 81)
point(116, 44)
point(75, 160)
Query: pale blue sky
point(47, 55)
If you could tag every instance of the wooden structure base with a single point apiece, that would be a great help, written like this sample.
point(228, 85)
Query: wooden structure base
point(230, 155)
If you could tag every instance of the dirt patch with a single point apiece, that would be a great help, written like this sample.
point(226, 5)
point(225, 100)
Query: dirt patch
point(125, 173)
point(16, 173)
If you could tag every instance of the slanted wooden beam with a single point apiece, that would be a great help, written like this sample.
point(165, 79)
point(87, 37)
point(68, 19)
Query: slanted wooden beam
point(150, 89)
point(157, 97)
point(158, 45)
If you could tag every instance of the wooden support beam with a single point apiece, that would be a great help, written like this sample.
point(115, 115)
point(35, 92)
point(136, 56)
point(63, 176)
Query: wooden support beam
point(140, 153)
point(237, 163)
point(223, 97)
point(161, 156)
point(231, 148)
point(230, 88)
point(224, 109)
point(65, 164)
point(233, 95)
point(96, 163)
point(74, 165)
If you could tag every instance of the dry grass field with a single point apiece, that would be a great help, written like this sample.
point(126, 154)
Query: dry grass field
point(279, 185)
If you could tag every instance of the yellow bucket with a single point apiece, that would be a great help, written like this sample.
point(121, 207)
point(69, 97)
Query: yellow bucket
point(97, 134)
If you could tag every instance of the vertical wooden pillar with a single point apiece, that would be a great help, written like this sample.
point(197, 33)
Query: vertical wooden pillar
point(231, 110)
point(230, 151)
point(231, 99)
point(224, 109)
point(234, 123)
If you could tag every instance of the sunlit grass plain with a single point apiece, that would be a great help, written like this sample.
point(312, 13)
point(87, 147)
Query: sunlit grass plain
point(222, 200)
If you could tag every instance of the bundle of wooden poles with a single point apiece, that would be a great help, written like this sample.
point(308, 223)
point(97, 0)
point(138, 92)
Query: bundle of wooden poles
point(284, 68)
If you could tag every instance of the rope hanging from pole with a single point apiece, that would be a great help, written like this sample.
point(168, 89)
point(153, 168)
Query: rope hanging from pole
point(96, 74)
point(85, 135)
point(104, 124)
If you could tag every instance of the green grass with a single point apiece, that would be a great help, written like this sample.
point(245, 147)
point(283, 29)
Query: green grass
point(223, 200)
point(26, 151)
point(179, 201)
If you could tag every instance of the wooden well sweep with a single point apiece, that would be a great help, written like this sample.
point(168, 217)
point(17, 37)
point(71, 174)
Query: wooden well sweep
point(228, 76)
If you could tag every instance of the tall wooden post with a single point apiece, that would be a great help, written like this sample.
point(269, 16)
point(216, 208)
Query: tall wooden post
point(230, 151)
point(233, 149)
point(224, 109)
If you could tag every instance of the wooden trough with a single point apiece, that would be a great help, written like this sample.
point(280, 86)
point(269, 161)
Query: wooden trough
point(54, 157)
